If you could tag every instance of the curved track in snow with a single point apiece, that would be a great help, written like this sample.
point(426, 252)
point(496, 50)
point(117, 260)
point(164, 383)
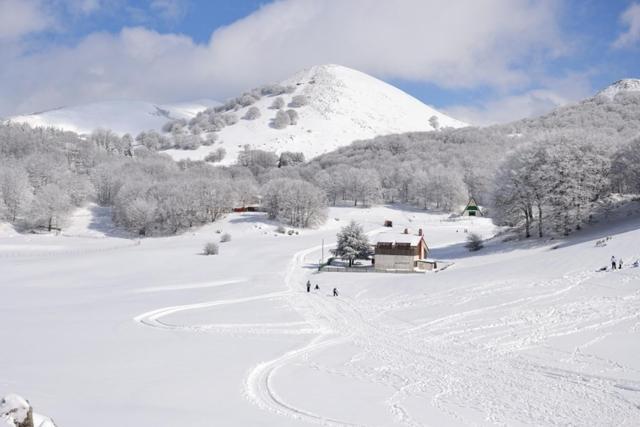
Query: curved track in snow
point(469, 365)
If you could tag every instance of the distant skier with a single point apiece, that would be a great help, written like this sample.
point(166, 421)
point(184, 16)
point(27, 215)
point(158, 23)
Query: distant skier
point(308, 285)
point(620, 264)
point(613, 262)
point(317, 288)
point(335, 292)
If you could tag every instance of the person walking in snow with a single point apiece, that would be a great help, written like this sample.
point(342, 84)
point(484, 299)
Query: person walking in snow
point(308, 285)
point(335, 292)
point(613, 262)
point(620, 264)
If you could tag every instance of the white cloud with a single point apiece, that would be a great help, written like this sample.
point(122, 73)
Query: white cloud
point(531, 103)
point(630, 18)
point(19, 18)
point(455, 44)
point(169, 10)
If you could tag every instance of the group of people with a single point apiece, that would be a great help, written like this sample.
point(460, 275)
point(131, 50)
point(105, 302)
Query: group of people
point(616, 264)
point(317, 288)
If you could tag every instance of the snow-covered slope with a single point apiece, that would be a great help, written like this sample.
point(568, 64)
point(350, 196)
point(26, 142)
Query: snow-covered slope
point(624, 85)
point(343, 105)
point(120, 116)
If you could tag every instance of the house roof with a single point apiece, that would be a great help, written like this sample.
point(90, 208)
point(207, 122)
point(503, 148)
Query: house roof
point(397, 238)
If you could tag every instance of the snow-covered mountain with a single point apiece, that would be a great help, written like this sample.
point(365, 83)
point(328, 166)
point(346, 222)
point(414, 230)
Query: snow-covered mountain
point(121, 117)
point(343, 105)
point(624, 85)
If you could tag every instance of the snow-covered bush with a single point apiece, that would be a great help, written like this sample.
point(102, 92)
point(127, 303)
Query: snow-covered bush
point(187, 142)
point(289, 158)
point(230, 119)
point(252, 113)
point(293, 117)
point(277, 103)
point(216, 156)
point(217, 122)
point(211, 248)
point(246, 99)
point(154, 141)
point(298, 101)
point(281, 120)
point(210, 139)
point(226, 237)
point(434, 122)
point(272, 90)
point(474, 242)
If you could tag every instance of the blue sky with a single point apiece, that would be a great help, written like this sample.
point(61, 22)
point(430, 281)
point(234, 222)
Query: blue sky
point(483, 62)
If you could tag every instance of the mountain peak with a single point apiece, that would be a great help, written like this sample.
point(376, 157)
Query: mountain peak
point(341, 105)
point(624, 85)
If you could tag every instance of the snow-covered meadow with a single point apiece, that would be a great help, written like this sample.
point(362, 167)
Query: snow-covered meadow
point(100, 329)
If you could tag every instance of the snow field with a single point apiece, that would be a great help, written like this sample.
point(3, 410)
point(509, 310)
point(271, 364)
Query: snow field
point(514, 334)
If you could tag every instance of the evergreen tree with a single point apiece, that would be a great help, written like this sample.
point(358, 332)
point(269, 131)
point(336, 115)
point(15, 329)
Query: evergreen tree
point(352, 243)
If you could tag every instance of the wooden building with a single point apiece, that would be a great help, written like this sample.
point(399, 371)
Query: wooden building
point(401, 252)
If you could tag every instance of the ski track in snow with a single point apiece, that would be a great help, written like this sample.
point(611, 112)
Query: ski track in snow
point(472, 362)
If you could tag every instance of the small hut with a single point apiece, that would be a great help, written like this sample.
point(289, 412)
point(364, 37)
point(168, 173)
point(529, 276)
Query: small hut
point(472, 209)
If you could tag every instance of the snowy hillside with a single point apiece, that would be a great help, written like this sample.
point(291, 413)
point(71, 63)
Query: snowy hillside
point(343, 105)
point(121, 117)
point(624, 85)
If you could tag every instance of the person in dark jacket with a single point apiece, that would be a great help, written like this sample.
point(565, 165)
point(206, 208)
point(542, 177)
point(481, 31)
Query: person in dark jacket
point(613, 262)
point(335, 292)
point(308, 285)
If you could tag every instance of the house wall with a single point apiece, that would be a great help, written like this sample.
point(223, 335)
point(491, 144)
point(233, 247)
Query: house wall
point(394, 262)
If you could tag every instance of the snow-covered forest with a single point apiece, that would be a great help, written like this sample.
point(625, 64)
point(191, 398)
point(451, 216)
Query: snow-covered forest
point(45, 174)
point(541, 176)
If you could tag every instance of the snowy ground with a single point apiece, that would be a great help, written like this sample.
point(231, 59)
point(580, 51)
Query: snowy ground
point(98, 326)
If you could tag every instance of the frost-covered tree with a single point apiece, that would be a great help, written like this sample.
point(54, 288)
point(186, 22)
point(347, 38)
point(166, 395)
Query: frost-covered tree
point(216, 155)
point(49, 206)
point(246, 191)
point(474, 242)
point(293, 116)
point(139, 215)
point(362, 185)
point(252, 113)
point(353, 243)
point(230, 119)
point(105, 183)
point(277, 104)
point(186, 142)
point(299, 101)
point(297, 202)
point(15, 190)
point(210, 139)
point(257, 161)
point(625, 173)
point(290, 158)
point(281, 120)
point(434, 122)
